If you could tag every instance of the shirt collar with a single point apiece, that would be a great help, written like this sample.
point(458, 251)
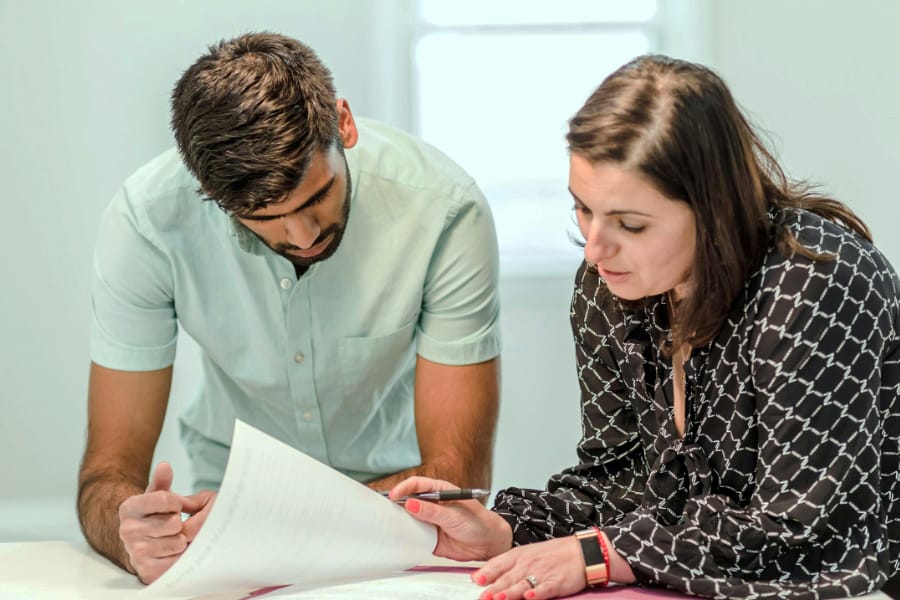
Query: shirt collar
point(245, 238)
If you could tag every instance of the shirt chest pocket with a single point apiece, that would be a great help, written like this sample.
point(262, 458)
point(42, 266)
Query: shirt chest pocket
point(376, 368)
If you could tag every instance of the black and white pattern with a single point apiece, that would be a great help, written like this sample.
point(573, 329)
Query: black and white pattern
point(786, 482)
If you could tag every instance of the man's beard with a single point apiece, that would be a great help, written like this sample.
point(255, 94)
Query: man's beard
point(336, 229)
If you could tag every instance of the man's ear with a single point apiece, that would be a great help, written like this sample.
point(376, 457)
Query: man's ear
point(346, 125)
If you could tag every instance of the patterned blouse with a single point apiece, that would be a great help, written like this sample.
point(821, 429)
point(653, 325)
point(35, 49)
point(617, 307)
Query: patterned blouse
point(786, 483)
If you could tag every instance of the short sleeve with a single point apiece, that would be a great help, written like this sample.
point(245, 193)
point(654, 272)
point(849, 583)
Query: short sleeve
point(459, 323)
point(134, 324)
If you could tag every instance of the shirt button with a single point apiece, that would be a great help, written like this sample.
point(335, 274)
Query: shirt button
point(298, 358)
point(285, 283)
point(307, 416)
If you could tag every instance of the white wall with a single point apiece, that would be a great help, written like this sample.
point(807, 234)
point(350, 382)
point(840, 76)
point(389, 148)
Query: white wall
point(822, 76)
point(83, 102)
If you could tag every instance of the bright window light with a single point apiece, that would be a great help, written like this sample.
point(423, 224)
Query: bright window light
point(498, 99)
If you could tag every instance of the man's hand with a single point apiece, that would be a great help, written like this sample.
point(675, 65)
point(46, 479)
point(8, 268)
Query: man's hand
point(151, 528)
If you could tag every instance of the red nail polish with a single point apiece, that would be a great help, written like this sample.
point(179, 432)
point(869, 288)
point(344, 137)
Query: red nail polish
point(413, 506)
point(480, 579)
point(529, 594)
point(486, 596)
point(501, 596)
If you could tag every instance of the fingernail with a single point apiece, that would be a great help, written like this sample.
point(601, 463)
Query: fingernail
point(480, 579)
point(487, 596)
point(413, 506)
point(529, 594)
point(500, 596)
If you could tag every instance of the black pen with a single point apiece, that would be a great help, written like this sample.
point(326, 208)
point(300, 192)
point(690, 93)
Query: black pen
point(444, 495)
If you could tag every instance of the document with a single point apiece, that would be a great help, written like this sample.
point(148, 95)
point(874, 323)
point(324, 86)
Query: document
point(282, 518)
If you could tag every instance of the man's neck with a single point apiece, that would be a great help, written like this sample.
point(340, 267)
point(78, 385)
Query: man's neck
point(300, 270)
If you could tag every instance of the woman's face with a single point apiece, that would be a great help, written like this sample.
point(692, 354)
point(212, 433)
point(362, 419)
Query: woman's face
point(642, 242)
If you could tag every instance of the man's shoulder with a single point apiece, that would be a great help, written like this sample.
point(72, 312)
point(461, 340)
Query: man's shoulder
point(163, 191)
point(394, 156)
point(163, 175)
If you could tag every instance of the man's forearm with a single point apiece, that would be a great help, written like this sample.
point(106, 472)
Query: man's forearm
point(460, 472)
point(99, 497)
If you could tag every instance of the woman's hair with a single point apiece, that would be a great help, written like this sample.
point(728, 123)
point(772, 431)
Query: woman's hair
point(249, 115)
point(676, 124)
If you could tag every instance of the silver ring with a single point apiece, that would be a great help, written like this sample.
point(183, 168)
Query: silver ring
point(532, 581)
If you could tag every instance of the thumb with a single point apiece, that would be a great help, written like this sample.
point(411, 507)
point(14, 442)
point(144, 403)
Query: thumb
point(161, 478)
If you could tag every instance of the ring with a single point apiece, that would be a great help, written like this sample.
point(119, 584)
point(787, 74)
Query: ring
point(532, 581)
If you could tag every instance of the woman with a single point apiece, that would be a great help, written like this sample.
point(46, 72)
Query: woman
point(737, 346)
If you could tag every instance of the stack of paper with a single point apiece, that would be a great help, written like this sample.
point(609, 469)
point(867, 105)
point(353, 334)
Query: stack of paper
point(281, 517)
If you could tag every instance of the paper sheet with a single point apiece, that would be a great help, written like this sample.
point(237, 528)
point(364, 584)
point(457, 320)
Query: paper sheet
point(401, 586)
point(282, 517)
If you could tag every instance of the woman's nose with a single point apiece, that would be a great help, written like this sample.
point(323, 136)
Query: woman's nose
point(598, 247)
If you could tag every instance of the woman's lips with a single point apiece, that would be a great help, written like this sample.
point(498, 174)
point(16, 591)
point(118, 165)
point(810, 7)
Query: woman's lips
point(612, 276)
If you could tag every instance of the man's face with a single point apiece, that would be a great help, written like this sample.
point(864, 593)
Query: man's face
point(307, 226)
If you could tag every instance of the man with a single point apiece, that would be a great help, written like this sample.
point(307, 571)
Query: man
point(344, 302)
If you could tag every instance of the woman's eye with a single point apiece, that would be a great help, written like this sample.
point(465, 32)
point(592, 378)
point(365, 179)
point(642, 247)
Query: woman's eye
point(632, 228)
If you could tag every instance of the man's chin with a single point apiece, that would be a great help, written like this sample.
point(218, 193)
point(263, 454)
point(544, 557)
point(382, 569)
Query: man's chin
point(307, 261)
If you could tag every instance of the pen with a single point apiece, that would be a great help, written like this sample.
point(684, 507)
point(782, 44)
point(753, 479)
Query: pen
point(444, 495)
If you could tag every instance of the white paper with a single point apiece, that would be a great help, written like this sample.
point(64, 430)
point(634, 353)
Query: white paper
point(402, 586)
point(282, 517)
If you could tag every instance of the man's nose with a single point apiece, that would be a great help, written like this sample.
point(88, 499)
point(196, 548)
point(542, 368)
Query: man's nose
point(301, 230)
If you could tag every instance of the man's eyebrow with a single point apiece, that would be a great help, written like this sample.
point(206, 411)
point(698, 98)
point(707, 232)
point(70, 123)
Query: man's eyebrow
point(318, 195)
point(613, 213)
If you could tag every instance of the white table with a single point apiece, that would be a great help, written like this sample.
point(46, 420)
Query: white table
point(71, 570)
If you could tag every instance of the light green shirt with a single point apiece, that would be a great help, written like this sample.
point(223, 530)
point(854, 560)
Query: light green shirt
point(324, 363)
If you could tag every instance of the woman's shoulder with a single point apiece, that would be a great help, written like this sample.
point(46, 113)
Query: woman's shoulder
point(838, 259)
point(834, 244)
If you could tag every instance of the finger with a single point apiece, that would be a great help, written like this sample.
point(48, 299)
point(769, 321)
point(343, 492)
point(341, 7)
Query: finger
point(155, 548)
point(191, 526)
point(509, 588)
point(495, 568)
point(417, 484)
point(445, 516)
point(152, 526)
point(162, 478)
point(425, 512)
point(143, 505)
point(196, 502)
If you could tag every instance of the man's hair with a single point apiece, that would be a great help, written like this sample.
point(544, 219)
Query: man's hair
point(676, 124)
point(249, 115)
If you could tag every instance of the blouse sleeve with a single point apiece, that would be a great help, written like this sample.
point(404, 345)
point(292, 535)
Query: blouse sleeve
point(817, 333)
point(608, 481)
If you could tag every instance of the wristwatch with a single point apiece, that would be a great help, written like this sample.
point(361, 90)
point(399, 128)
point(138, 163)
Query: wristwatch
point(596, 556)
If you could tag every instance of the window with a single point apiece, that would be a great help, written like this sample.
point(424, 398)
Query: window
point(494, 84)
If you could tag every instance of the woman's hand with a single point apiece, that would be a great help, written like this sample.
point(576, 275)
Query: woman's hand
point(466, 529)
point(556, 566)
